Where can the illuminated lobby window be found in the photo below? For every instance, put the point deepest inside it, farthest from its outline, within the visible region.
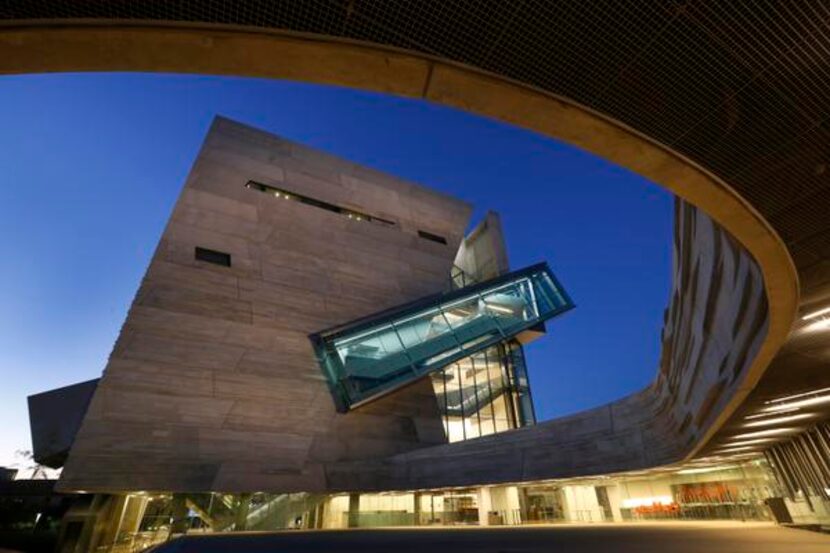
(484, 393)
(439, 508)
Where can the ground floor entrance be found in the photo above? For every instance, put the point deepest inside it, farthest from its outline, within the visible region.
(743, 492)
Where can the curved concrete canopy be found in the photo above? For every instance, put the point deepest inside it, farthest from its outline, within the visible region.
(111, 46)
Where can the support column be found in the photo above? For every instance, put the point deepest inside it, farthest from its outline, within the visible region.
(320, 514)
(110, 526)
(354, 509)
(416, 508)
(485, 505)
(512, 506)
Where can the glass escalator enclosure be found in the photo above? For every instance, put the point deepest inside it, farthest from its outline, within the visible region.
(484, 393)
(370, 357)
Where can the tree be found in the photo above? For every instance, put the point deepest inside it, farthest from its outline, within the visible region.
(29, 464)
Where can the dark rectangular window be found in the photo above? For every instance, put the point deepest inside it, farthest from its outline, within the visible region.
(434, 237)
(212, 256)
(346, 212)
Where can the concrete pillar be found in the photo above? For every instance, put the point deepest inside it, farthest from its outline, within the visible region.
(110, 527)
(614, 498)
(523, 505)
(416, 508)
(581, 504)
(513, 506)
(485, 505)
(320, 514)
(505, 501)
(354, 509)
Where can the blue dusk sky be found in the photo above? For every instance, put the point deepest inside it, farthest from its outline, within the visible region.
(91, 165)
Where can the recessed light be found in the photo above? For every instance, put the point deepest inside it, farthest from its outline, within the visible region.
(770, 432)
(778, 420)
(814, 314)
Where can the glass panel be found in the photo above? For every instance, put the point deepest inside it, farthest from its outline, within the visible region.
(512, 306)
(483, 393)
(424, 327)
(487, 421)
(522, 400)
(469, 320)
(373, 356)
(501, 412)
(359, 355)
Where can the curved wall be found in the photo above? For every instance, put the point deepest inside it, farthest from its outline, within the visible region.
(715, 324)
(215, 50)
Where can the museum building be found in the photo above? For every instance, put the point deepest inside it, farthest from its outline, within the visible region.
(318, 344)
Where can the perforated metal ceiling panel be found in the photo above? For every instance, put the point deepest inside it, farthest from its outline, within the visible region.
(739, 87)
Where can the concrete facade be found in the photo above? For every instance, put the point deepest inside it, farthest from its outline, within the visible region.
(54, 419)
(483, 253)
(213, 383)
(714, 325)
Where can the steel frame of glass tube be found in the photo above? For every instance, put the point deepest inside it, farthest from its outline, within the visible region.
(368, 358)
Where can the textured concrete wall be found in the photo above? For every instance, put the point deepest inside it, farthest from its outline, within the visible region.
(55, 417)
(213, 384)
(483, 253)
(715, 323)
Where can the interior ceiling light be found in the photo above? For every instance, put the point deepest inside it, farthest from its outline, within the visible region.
(818, 313)
(730, 449)
(747, 455)
(821, 324)
(798, 395)
(499, 308)
(752, 442)
(740, 456)
(770, 432)
(703, 470)
(778, 420)
(771, 414)
(806, 402)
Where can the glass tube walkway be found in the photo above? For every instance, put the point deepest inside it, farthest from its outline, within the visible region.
(368, 358)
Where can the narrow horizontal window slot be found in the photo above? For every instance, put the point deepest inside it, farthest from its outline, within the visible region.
(434, 237)
(212, 256)
(350, 213)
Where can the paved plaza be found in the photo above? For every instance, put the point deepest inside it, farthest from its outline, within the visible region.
(686, 537)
